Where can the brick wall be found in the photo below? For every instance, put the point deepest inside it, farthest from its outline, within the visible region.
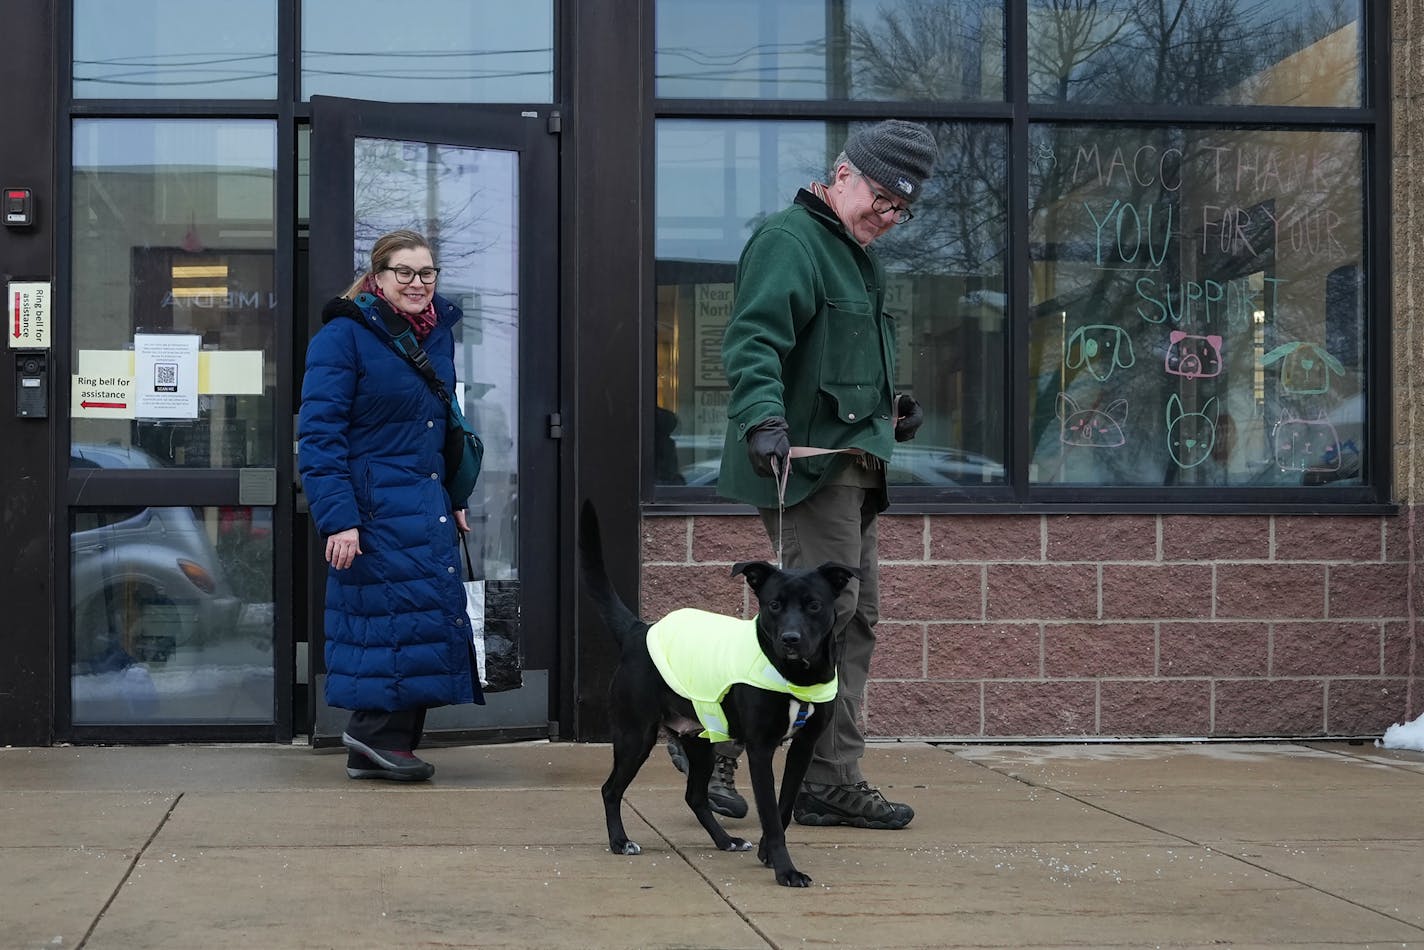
(1132, 625)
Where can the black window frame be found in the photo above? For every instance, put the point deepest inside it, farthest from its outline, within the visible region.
(1371, 119)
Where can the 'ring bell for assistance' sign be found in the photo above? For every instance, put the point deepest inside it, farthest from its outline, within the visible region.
(27, 315)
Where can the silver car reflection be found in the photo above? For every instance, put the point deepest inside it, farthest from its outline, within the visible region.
(145, 581)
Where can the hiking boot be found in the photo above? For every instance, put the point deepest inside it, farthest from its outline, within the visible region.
(859, 806)
(722, 790)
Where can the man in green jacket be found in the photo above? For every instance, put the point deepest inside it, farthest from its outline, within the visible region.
(810, 358)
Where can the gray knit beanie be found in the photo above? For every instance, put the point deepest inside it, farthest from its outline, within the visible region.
(896, 154)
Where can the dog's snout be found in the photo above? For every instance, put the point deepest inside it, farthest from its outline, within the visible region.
(791, 638)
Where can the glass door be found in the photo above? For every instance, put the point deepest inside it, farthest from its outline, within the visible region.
(482, 187)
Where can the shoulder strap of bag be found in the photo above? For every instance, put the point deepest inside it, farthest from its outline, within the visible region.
(402, 340)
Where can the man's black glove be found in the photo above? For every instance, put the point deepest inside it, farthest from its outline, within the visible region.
(908, 417)
(766, 441)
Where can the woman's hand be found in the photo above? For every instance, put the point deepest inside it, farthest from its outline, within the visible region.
(461, 522)
(342, 548)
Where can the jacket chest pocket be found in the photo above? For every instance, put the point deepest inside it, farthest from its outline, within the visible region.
(851, 351)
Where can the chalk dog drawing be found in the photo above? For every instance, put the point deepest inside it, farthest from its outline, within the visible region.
(1306, 445)
(1306, 369)
(1195, 357)
(1190, 435)
(1091, 428)
(1102, 348)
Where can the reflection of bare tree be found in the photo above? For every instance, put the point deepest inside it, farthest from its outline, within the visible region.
(430, 192)
(928, 50)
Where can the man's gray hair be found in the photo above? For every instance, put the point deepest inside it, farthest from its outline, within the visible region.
(841, 159)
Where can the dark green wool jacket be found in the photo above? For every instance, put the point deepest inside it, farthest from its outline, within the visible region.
(808, 340)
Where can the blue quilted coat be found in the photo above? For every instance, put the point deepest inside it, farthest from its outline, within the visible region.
(370, 457)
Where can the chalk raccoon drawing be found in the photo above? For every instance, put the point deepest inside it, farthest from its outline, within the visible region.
(1195, 357)
(1092, 428)
(1102, 348)
(1190, 435)
(1306, 445)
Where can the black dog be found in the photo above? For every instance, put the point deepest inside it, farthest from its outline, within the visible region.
(793, 632)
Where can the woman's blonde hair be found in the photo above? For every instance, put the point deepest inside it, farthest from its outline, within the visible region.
(386, 245)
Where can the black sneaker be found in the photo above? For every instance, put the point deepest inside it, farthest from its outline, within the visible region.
(722, 792)
(406, 765)
(859, 805)
(360, 767)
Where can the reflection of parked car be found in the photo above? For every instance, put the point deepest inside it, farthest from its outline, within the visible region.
(145, 581)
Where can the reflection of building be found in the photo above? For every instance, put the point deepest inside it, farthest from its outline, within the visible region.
(1221, 547)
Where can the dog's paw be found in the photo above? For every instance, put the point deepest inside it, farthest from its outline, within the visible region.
(627, 847)
(738, 844)
(793, 878)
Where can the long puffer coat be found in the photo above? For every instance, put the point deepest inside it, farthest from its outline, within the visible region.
(371, 432)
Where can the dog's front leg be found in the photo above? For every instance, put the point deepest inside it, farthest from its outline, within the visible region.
(699, 770)
(798, 758)
(772, 851)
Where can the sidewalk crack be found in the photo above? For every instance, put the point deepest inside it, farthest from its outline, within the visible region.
(128, 873)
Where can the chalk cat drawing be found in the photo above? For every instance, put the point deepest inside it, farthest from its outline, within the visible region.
(1092, 428)
(1306, 445)
(1306, 369)
(1102, 348)
(1195, 357)
(1190, 435)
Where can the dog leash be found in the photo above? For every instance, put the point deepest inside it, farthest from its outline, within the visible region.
(783, 473)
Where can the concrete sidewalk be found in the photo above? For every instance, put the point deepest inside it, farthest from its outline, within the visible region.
(1243, 845)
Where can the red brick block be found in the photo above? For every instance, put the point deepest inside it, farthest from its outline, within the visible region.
(1396, 537)
(1329, 539)
(1287, 591)
(727, 540)
(922, 710)
(1042, 592)
(1330, 648)
(1270, 708)
(665, 539)
(901, 537)
(1040, 709)
(1154, 708)
(931, 592)
(1102, 537)
(667, 588)
(1365, 707)
(1215, 538)
(963, 651)
(1175, 591)
(1092, 649)
(1369, 590)
(1397, 648)
(1213, 649)
(986, 538)
(899, 651)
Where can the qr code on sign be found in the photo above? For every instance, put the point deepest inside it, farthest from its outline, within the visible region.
(165, 377)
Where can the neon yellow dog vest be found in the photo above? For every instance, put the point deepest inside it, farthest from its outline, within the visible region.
(702, 655)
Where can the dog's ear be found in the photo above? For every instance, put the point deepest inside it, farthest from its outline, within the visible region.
(838, 574)
(756, 572)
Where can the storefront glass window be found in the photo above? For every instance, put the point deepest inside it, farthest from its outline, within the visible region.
(172, 288)
(904, 50)
(428, 50)
(1197, 307)
(716, 180)
(1206, 52)
(175, 49)
(172, 610)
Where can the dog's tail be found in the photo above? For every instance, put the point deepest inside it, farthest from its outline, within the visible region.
(616, 615)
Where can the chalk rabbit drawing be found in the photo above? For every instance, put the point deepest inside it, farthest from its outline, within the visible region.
(1091, 428)
(1306, 445)
(1195, 357)
(1190, 435)
(1306, 369)
(1102, 348)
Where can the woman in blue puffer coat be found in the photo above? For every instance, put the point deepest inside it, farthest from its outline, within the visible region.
(372, 433)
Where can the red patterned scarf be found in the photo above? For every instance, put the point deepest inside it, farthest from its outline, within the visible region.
(422, 323)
